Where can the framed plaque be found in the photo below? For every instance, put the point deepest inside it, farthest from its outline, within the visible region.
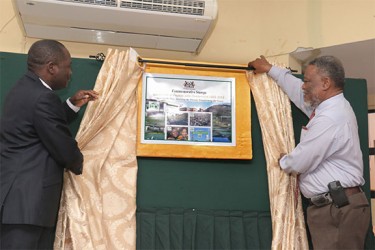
(189, 113)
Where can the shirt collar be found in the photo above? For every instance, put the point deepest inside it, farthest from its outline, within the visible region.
(330, 101)
(45, 84)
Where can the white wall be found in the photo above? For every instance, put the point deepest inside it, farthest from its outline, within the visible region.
(371, 133)
(371, 130)
(245, 29)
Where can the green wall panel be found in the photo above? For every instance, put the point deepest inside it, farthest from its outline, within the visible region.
(233, 185)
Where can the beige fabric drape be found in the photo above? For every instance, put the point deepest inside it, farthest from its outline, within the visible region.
(98, 208)
(274, 112)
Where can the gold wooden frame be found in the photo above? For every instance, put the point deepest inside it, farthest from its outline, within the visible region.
(243, 148)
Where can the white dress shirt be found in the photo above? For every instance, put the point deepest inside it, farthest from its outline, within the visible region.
(329, 147)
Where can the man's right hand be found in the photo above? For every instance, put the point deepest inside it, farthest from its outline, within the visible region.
(260, 65)
(83, 96)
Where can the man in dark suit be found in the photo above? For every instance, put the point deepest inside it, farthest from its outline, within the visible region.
(36, 147)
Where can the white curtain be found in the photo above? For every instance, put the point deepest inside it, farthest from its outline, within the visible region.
(274, 112)
(98, 208)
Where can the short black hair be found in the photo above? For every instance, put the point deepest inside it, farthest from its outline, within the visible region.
(332, 68)
(43, 52)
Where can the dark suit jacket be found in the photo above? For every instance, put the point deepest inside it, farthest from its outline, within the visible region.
(36, 146)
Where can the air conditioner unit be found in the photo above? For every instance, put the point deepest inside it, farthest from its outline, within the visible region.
(180, 25)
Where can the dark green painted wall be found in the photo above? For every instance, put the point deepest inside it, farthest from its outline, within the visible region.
(198, 183)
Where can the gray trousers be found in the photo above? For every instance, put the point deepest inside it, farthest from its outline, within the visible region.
(340, 228)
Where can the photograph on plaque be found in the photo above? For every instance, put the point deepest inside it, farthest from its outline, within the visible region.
(188, 110)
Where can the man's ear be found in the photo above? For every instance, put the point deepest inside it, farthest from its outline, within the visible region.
(51, 67)
(327, 83)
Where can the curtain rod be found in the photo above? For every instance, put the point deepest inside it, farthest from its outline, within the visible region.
(203, 65)
(101, 57)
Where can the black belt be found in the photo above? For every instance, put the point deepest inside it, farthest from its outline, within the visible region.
(352, 190)
(325, 198)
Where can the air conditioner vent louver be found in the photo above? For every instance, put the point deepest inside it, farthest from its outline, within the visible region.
(186, 7)
(109, 3)
(177, 25)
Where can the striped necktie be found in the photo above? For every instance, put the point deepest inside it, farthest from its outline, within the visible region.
(312, 115)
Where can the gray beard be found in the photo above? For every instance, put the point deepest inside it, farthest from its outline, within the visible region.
(312, 104)
(309, 105)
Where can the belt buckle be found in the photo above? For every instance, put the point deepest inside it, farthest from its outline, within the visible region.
(321, 199)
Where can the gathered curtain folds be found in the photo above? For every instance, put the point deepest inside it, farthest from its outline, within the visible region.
(98, 208)
(274, 113)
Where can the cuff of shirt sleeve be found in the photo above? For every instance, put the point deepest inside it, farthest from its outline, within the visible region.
(282, 164)
(276, 71)
(285, 166)
(74, 108)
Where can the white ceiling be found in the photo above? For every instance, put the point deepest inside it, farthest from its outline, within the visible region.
(358, 59)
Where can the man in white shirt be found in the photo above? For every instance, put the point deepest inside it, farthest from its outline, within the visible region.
(328, 154)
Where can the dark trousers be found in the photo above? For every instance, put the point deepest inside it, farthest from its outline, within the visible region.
(26, 237)
(340, 228)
